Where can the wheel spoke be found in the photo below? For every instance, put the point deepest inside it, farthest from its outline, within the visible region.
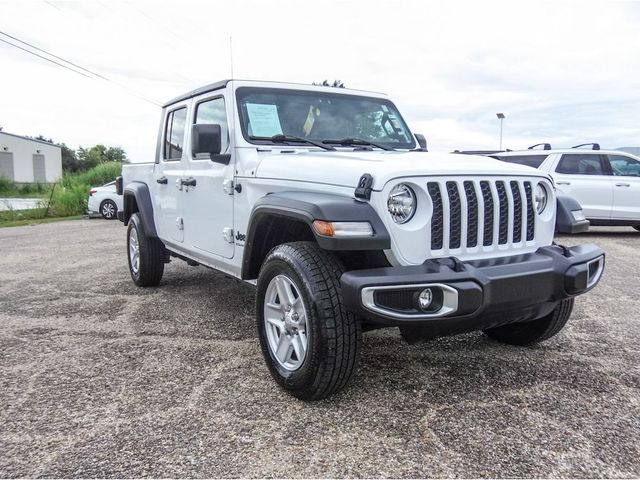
(298, 346)
(284, 291)
(276, 322)
(283, 351)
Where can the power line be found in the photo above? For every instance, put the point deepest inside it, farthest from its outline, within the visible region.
(94, 74)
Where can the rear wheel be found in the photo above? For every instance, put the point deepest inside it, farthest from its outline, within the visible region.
(529, 333)
(146, 255)
(310, 342)
(108, 210)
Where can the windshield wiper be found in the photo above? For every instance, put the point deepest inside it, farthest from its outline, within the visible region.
(357, 141)
(292, 138)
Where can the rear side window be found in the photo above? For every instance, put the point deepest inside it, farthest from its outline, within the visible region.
(581, 164)
(529, 160)
(213, 111)
(624, 166)
(174, 134)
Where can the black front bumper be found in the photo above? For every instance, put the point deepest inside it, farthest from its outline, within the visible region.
(487, 292)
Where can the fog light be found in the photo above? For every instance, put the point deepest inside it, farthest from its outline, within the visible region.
(425, 299)
(578, 215)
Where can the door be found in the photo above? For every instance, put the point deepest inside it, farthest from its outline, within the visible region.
(6, 165)
(168, 173)
(208, 202)
(585, 177)
(626, 187)
(39, 172)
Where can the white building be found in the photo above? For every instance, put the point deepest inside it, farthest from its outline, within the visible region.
(25, 160)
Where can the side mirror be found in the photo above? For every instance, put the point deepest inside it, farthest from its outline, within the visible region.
(206, 138)
(421, 141)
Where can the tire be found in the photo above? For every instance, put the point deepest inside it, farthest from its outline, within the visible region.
(145, 255)
(323, 337)
(529, 333)
(637, 227)
(109, 210)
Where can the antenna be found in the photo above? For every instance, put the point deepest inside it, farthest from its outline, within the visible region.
(231, 54)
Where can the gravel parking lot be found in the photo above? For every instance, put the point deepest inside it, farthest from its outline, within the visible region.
(100, 378)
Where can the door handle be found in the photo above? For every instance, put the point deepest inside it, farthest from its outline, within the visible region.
(162, 180)
(189, 182)
(623, 184)
(563, 183)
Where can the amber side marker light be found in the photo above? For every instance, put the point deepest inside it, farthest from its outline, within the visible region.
(342, 229)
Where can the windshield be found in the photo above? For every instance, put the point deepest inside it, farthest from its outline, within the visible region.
(320, 116)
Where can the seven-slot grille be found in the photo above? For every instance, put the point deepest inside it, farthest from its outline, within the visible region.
(472, 213)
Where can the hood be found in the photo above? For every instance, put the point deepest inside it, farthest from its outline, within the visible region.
(344, 168)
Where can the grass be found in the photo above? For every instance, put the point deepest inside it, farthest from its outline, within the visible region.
(35, 221)
(9, 189)
(69, 199)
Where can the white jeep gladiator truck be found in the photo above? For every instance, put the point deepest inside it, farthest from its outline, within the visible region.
(322, 198)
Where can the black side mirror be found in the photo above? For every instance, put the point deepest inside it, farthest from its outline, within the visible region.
(421, 141)
(206, 138)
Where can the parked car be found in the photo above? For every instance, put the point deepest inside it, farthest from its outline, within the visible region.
(606, 183)
(104, 201)
(322, 199)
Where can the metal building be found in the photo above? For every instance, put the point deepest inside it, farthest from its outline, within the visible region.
(25, 160)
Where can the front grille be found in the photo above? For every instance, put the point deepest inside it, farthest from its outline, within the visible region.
(470, 213)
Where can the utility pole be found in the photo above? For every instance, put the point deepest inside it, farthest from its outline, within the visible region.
(501, 118)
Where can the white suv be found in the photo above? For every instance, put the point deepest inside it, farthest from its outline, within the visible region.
(606, 183)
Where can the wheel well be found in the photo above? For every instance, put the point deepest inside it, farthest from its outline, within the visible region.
(276, 230)
(129, 206)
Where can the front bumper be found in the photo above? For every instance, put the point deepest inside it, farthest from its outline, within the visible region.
(475, 294)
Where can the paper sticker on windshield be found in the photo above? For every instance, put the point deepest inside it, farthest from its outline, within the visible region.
(263, 120)
(311, 119)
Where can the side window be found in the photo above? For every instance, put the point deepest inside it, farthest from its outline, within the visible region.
(625, 166)
(580, 164)
(174, 134)
(213, 111)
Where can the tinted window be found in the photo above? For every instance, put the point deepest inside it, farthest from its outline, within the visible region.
(174, 134)
(580, 164)
(317, 115)
(213, 111)
(529, 160)
(625, 166)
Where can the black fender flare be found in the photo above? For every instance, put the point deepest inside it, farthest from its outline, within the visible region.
(565, 221)
(310, 206)
(137, 193)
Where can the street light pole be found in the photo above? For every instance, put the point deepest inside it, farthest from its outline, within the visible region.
(501, 117)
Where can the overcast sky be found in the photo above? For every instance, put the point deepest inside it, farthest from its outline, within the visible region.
(566, 72)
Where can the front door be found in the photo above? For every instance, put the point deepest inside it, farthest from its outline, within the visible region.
(208, 201)
(584, 177)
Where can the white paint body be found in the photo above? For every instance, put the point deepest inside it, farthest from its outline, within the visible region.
(191, 220)
(609, 197)
(22, 150)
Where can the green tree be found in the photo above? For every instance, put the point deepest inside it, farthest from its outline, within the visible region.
(91, 157)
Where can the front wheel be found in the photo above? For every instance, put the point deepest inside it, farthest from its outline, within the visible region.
(310, 342)
(528, 333)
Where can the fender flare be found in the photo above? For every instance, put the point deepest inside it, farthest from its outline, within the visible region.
(309, 206)
(565, 221)
(137, 194)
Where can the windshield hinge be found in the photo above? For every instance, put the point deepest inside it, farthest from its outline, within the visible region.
(365, 186)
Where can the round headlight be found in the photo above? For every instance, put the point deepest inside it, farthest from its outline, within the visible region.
(540, 198)
(401, 203)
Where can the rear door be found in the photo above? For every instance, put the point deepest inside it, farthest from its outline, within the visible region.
(626, 187)
(586, 177)
(208, 204)
(168, 174)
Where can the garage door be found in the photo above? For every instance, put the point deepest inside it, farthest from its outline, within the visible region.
(39, 173)
(6, 165)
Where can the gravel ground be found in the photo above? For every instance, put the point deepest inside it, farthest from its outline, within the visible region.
(99, 378)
